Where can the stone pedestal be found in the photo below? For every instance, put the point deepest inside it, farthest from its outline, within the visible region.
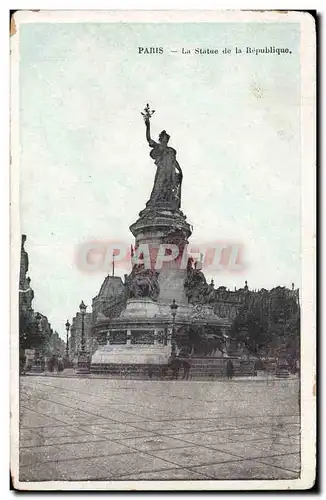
(142, 335)
(138, 337)
(159, 226)
(215, 367)
(282, 369)
(144, 308)
(36, 368)
(132, 355)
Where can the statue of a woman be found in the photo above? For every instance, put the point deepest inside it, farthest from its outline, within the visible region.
(168, 177)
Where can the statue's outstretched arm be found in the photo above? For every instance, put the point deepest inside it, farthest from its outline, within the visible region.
(150, 141)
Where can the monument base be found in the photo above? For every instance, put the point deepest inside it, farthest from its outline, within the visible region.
(282, 369)
(131, 355)
(82, 367)
(137, 365)
(35, 368)
(215, 367)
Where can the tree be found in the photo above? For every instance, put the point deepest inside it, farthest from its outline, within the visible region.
(250, 328)
(29, 335)
(269, 320)
(55, 345)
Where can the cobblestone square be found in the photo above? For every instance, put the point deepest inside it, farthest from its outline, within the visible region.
(102, 429)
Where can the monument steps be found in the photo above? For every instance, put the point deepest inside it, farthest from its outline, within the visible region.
(200, 368)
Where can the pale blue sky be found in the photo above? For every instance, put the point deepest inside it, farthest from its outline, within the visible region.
(85, 169)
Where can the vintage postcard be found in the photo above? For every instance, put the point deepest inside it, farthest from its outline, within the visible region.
(163, 331)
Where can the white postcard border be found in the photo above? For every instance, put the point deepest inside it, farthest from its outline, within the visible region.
(308, 285)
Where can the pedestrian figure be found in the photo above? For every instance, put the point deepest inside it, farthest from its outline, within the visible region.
(60, 365)
(57, 365)
(22, 364)
(51, 363)
(186, 369)
(229, 369)
(150, 372)
(163, 372)
(175, 365)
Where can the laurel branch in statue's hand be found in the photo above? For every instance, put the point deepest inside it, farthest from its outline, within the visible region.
(147, 114)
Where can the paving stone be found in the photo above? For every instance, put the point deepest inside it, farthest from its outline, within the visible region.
(206, 438)
(101, 429)
(25, 434)
(154, 426)
(58, 431)
(115, 427)
(70, 451)
(153, 443)
(107, 429)
(248, 435)
(252, 449)
(288, 441)
(28, 443)
(115, 467)
(287, 431)
(32, 420)
(70, 470)
(171, 474)
(120, 416)
(245, 469)
(171, 429)
(129, 434)
(289, 462)
(193, 455)
(39, 472)
(41, 441)
(274, 444)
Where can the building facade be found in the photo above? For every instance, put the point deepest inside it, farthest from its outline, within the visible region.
(34, 328)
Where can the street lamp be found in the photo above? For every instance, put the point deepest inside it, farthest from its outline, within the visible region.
(82, 309)
(174, 308)
(83, 362)
(67, 343)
